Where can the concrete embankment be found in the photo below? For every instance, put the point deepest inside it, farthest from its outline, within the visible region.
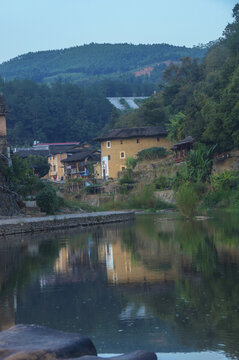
(48, 223)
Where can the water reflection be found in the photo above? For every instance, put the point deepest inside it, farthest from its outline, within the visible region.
(160, 285)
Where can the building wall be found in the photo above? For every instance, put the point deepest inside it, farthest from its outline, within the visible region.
(55, 161)
(97, 170)
(3, 126)
(3, 137)
(130, 148)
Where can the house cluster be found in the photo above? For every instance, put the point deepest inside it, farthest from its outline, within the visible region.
(71, 160)
(78, 160)
(66, 160)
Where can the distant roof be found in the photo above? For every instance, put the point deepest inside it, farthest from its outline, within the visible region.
(28, 152)
(81, 155)
(127, 133)
(60, 149)
(56, 144)
(76, 149)
(187, 140)
(3, 106)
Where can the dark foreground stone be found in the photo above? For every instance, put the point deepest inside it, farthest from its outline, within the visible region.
(31, 342)
(136, 355)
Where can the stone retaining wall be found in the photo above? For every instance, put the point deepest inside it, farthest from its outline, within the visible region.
(165, 195)
(48, 223)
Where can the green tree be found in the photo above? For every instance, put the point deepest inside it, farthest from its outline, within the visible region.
(200, 162)
(176, 127)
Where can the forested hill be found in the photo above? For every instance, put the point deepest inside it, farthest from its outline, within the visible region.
(57, 113)
(87, 63)
(201, 100)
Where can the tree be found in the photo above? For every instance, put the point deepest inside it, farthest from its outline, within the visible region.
(176, 127)
(200, 162)
(39, 164)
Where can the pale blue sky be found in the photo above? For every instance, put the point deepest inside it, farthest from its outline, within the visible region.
(33, 25)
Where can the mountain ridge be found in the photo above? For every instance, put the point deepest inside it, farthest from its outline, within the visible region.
(93, 62)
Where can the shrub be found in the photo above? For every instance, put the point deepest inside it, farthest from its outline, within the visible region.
(216, 198)
(143, 198)
(47, 200)
(131, 162)
(126, 177)
(163, 182)
(152, 153)
(187, 200)
(225, 181)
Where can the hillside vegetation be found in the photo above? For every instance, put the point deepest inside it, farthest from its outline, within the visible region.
(199, 99)
(60, 113)
(93, 62)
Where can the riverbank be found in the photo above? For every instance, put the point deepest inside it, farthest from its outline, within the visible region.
(23, 225)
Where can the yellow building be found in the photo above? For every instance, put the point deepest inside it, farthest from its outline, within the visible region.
(119, 144)
(76, 165)
(58, 152)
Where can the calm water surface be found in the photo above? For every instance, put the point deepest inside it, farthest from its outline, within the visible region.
(168, 286)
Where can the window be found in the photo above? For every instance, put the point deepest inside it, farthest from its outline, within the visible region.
(121, 141)
(122, 155)
(53, 157)
(122, 168)
(108, 144)
(158, 139)
(108, 157)
(137, 140)
(54, 167)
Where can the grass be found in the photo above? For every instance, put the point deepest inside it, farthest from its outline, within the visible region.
(141, 198)
(187, 200)
(77, 205)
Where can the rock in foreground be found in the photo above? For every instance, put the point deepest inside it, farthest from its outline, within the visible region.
(31, 342)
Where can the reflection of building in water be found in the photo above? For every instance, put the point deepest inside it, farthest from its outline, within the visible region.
(72, 257)
(63, 263)
(75, 263)
(121, 268)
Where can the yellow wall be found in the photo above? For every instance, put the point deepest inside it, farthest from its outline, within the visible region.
(3, 127)
(97, 170)
(130, 147)
(55, 160)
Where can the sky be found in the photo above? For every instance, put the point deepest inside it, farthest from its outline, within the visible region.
(35, 25)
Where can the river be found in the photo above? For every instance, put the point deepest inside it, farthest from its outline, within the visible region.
(166, 285)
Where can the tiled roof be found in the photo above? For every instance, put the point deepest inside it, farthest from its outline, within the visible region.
(187, 140)
(127, 133)
(60, 149)
(82, 155)
(25, 153)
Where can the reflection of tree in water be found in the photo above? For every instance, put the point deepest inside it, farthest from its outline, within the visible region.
(19, 264)
(205, 306)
